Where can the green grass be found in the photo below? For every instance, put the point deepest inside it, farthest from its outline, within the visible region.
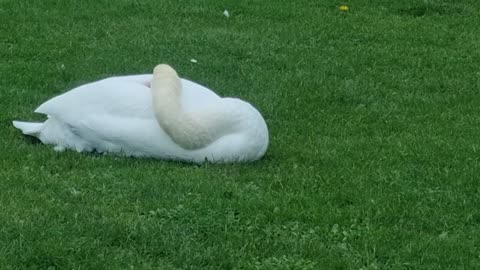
(374, 118)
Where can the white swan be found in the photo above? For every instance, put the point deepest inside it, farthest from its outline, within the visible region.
(159, 116)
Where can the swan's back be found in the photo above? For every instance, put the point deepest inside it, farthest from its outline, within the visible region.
(120, 96)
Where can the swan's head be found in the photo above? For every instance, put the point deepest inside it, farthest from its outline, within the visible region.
(164, 70)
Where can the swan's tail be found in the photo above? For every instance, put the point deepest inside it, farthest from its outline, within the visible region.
(28, 128)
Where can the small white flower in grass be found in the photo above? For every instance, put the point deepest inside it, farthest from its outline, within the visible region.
(74, 192)
(226, 14)
(193, 60)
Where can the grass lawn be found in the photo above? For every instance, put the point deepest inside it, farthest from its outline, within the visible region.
(374, 119)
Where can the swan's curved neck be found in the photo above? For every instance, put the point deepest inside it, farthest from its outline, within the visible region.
(188, 130)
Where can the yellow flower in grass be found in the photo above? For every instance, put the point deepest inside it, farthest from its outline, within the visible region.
(344, 8)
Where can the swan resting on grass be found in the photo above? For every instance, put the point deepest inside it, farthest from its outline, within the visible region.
(159, 115)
